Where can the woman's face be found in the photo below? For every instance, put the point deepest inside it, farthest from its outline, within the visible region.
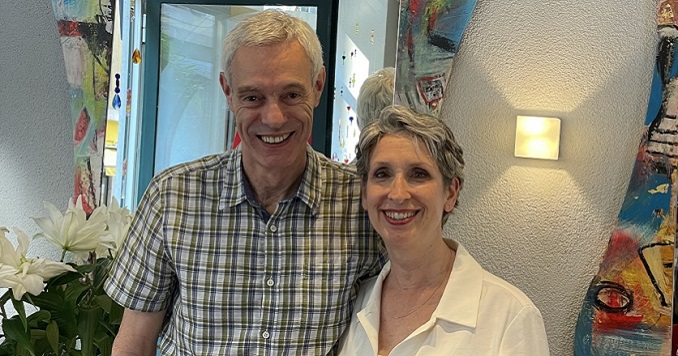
(404, 194)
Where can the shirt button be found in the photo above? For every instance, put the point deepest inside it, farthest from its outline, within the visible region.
(270, 282)
(265, 335)
(274, 228)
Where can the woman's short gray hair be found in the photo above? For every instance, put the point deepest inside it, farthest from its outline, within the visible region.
(429, 130)
(271, 27)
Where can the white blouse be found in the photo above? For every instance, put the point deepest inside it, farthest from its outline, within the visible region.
(478, 314)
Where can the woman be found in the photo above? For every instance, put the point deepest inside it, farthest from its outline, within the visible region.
(432, 298)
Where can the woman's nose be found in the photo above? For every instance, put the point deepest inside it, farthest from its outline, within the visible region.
(399, 189)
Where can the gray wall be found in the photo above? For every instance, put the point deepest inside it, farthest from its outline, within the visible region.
(541, 225)
(36, 152)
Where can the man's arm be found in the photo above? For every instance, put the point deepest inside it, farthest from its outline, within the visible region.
(138, 334)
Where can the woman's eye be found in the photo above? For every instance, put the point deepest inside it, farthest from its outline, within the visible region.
(420, 174)
(380, 174)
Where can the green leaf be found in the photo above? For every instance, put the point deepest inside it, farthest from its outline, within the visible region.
(105, 344)
(40, 343)
(62, 311)
(86, 268)
(38, 316)
(104, 302)
(88, 322)
(13, 328)
(53, 335)
(49, 300)
(63, 278)
(19, 307)
(8, 348)
(115, 314)
(74, 292)
(6, 297)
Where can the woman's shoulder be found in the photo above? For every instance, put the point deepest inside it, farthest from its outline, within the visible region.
(495, 287)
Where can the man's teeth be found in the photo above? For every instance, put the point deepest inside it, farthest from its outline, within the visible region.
(400, 216)
(274, 139)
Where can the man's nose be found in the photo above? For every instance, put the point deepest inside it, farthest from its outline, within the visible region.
(273, 115)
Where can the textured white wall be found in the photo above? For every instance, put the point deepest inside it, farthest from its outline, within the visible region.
(36, 134)
(543, 225)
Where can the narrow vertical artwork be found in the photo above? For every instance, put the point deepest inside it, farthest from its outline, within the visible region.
(628, 309)
(86, 31)
(429, 36)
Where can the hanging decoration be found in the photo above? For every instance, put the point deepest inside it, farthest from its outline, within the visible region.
(136, 56)
(86, 32)
(116, 98)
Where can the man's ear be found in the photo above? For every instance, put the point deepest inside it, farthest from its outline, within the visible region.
(225, 88)
(319, 85)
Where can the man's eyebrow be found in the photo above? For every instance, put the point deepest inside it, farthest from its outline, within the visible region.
(290, 86)
(245, 88)
(297, 86)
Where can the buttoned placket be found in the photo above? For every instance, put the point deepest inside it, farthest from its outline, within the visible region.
(270, 261)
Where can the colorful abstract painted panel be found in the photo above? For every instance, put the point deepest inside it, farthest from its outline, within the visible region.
(429, 35)
(627, 309)
(86, 31)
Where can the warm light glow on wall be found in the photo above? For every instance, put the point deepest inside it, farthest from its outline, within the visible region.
(537, 137)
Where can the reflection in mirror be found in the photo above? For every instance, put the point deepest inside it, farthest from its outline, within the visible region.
(366, 42)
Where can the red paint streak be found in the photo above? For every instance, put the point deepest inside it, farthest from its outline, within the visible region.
(613, 321)
(68, 28)
(81, 126)
(621, 249)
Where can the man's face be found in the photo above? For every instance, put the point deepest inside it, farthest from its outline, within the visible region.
(272, 95)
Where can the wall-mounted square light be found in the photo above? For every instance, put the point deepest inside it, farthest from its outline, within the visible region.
(537, 137)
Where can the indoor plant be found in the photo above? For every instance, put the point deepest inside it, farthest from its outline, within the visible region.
(61, 307)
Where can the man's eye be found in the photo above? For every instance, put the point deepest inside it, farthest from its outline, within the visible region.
(293, 97)
(250, 98)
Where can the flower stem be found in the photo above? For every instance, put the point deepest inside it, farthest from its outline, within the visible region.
(63, 255)
(3, 312)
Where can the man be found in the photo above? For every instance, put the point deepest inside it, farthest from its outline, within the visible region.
(258, 250)
(375, 94)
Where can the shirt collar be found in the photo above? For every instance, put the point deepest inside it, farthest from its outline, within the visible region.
(460, 301)
(309, 191)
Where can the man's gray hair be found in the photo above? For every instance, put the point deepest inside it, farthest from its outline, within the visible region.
(272, 27)
(376, 93)
(429, 130)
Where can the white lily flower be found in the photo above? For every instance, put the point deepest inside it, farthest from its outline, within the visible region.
(119, 222)
(22, 274)
(73, 231)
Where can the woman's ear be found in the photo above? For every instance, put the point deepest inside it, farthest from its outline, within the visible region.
(452, 194)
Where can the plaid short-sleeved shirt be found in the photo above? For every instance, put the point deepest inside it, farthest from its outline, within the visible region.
(235, 281)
